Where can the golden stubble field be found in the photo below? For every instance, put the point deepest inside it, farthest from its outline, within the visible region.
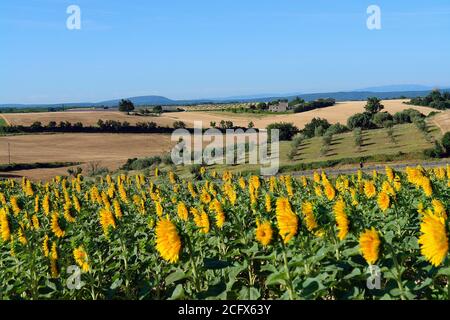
(108, 150)
(338, 113)
(442, 120)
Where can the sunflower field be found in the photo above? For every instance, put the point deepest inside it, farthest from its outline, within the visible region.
(227, 237)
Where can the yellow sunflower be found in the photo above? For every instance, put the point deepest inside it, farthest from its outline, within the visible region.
(383, 201)
(308, 213)
(81, 258)
(329, 191)
(433, 241)
(5, 231)
(439, 208)
(369, 243)
(369, 189)
(341, 219)
(264, 233)
(425, 183)
(287, 220)
(182, 211)
(268, 203)
(168, 241)
(56, 229)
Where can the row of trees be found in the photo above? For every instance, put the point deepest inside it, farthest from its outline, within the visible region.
(373, 118)
(108, 126)
(300, 105)
(435, 99)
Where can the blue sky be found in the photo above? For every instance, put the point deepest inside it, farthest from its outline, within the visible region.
(204, 48)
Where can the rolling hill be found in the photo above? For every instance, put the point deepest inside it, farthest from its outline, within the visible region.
(152, 100)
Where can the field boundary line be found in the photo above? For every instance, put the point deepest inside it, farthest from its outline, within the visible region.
(6, 120)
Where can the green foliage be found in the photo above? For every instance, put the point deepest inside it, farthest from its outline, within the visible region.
(262, 106)
(95, 169)
(360, 120)
(373, 105)
(140, 164)
(319, 131)
(179, 125)
(407, 116)
(446, 142)
(337, 128)
(286, 130)
(302, 106)
(226, 124)
(435, 99)
(310, 128)
(358, 137)
(35, 165)
(327, 139)
(391, 135)
(126, 105)
(436, 152)
(157, 109)
(380, 118)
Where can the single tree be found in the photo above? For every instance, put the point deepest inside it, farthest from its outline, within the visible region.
(157, 109)
(373, 105)
(126, 105)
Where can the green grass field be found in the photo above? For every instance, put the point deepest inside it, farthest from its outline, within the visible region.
(408, 139)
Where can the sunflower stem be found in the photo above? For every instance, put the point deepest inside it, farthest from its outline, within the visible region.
(194, 267)
(125, 262)
(288, 274)
(398, 277)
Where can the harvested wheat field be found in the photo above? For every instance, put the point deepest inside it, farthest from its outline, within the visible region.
(109, 150)
(87, 118)
(442, 120)
(338, 113)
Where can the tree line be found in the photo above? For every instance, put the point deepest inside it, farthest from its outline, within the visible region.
(299, 105)
(103, 126)
(435, 99)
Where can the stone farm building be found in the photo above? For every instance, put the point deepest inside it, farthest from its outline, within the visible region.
(280, 107)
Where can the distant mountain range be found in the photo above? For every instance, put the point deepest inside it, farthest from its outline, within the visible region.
(397, 88)
(384, 92)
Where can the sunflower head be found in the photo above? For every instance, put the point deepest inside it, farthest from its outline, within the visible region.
(168, 241)
(383, 201)
(287, 220)
(433, 241)
(81, 258)
(341, 219)
(264, 233)
(369, 189)
(369, 243)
